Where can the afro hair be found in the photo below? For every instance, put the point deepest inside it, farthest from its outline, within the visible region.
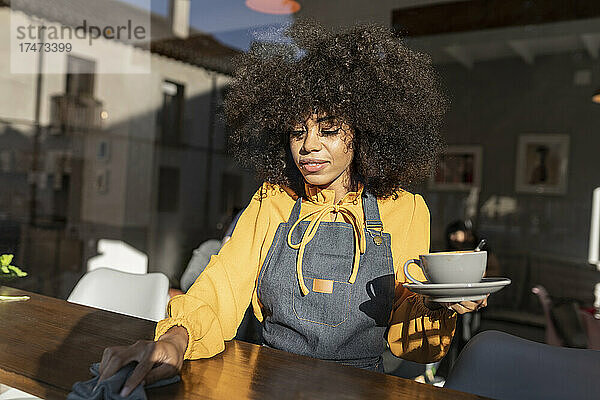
(365, 76)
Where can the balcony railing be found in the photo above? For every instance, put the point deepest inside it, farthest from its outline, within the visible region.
(70, 113)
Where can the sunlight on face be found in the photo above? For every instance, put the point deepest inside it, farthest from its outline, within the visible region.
(322, 150)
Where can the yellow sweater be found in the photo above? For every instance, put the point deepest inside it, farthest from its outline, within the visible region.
(214, 306)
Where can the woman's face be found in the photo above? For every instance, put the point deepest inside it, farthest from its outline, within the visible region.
(322, 150)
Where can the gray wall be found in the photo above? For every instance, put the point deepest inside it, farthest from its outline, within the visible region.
(494, 103)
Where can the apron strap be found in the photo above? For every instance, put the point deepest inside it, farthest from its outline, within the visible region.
(371, 210)
(295, 214)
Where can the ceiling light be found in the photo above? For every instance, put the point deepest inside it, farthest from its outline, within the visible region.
(596, 97)
(278, 7)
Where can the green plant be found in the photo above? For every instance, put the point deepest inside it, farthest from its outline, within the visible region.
(8, 271)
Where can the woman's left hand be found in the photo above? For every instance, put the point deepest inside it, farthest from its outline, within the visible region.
(467, 306)
(461, 308)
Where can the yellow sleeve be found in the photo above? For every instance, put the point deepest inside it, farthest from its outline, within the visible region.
(417, 333)
(214, 306)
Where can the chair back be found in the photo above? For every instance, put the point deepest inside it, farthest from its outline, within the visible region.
(552, 336)
(117, 254)
(501, 366)
(581, 332)
(139, 295)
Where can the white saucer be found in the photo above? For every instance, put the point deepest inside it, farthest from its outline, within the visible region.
(455, 292)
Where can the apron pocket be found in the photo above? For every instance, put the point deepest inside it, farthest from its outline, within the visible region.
(323, 308)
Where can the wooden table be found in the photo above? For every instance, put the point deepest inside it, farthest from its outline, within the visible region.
(47, 344)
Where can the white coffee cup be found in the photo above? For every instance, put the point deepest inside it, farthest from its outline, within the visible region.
(450, 267)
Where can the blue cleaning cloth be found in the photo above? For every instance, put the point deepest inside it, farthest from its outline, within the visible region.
(110, 388)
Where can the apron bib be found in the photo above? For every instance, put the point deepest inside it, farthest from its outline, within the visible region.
(336, 320)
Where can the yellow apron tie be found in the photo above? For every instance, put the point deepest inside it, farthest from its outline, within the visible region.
(359, 239)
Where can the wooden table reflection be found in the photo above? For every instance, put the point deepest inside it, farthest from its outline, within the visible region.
(47, 344)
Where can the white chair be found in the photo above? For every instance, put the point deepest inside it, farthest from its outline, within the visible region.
(139, 295)
(117, 254)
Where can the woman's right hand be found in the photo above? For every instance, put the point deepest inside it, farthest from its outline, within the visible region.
(156, 359)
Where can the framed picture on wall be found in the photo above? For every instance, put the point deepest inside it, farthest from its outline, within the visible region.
(542, 162)
(459, 168)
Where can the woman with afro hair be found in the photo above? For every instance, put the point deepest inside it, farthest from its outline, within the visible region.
(336, 125)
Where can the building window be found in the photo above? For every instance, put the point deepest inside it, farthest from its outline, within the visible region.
(80, 77)
(168, 189)
(171, 116)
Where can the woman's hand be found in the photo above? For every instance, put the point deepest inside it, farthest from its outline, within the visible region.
(156, 360)
(461, 308)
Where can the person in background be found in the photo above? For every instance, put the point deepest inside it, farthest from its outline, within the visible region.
(201, 255)
(249, 329)
(460, 235)
(337, 128)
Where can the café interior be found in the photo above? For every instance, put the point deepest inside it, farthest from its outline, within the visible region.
(114, 156)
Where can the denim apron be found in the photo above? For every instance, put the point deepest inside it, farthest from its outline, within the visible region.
(346, 322)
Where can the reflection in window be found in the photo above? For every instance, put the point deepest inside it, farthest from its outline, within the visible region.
(168, 189)
(170, 118)
(80, 77)
(231, 192)
(76, 109)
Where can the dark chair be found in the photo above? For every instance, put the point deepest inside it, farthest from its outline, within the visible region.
(501, 366)
(568, 325)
